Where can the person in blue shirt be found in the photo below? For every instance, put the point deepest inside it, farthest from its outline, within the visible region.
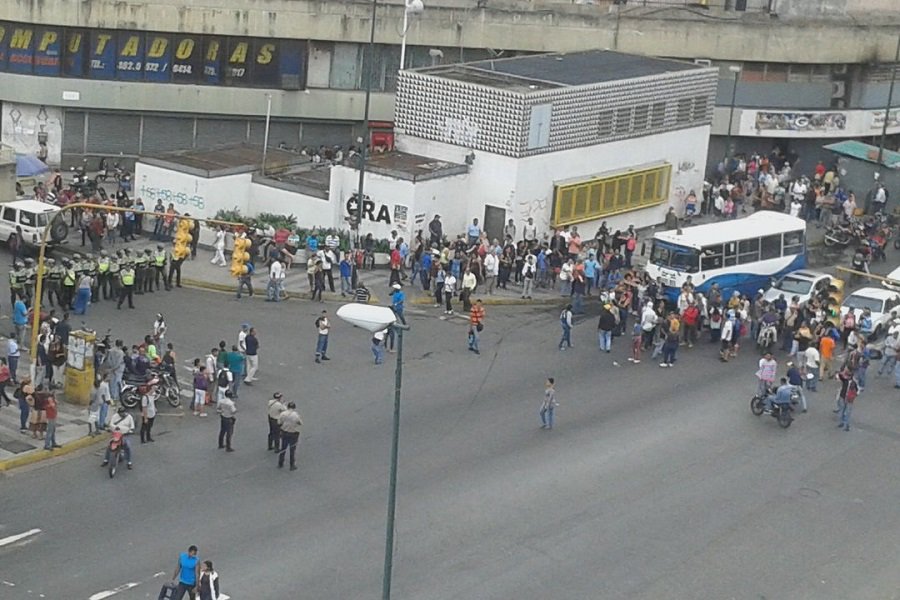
(187, 573)
(346, 274)
(398, 299)
(781, 396)
(473, 232)
(312, 243)
(795, 378)
(425, 271)
(20, 317)
(456, 265)
(591, 270)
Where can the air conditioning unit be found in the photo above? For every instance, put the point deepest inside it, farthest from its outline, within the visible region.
(838, 89)
(703, 62)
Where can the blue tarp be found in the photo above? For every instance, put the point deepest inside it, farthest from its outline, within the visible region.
(29, 166)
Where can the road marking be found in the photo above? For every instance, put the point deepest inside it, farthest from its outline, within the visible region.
(114, 591)
(20, 536)
(185, 394)
(8, 583)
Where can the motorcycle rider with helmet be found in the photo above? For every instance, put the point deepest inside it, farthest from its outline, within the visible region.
(123, 422)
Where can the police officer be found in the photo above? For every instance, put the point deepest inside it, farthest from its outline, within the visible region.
(70, 276)
(148, 273)
(53, 281)
(17, 279)
(159, 266)
(174, 270)
(289, 422)
(91, 269)
(30, 280)
(103, 275)
(140, 272)
(115, 264)
(126, 284)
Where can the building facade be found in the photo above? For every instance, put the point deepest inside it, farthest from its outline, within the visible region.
(124, 79)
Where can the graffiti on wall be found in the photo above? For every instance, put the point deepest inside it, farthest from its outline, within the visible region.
(462, 132)
(791, 121)
(181, 200)
(33, 130)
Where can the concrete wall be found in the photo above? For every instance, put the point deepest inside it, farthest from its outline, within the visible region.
(749, 36)
(310, 211)
(392, 198)
(775, 94)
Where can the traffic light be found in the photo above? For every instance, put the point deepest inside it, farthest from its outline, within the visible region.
(183, 239)
(240, 256)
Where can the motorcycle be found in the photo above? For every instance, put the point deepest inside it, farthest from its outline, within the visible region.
(102, 172)
(159, 383)
(783, 413)
(116, 452)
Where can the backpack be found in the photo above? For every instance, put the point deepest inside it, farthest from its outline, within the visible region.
(222, 378)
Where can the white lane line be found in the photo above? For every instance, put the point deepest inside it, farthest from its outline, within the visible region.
(20, 536)
(8, 583)
(114, 591)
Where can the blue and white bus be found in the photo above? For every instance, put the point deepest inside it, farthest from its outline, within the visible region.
(743, 254)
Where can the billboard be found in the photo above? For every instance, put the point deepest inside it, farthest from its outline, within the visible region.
(147, 56)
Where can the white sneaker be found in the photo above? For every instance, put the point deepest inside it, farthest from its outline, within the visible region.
(637, 361)
(664, 365)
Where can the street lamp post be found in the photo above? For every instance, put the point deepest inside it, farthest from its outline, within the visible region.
(736, 71)
(266, 134)
(363, 150)
(413, 7)
(890, 100)
(376, 318)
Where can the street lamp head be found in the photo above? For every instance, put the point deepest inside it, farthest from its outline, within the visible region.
(735, 69)
(369, 317)
(414, 7)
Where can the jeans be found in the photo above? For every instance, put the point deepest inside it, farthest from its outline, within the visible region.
(812, 381)
(861, 377)
(604, 338)
(288, 442)
(346, 288)
(566, 336)
(104, 411)
(321, 345)
(273, 292)
(762, 387)
(887, 364)
(146, 429)
(378, 351)
(244, 281)
(528, 287)
(13, 362)
(799, 389)
(473, 339)
(274, 434)
(578, 304)
(115, 384)
(24, 409)
(226, 429)
(845, 409)
(547, 416)
(669, 350)
(182, 588)
(126, 447)
(50, 438)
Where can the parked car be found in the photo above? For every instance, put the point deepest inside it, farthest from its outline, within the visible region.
(895, 283)
(884, 304)
(806, 284)
(32, 216)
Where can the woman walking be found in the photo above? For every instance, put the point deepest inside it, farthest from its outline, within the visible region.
(208, 585)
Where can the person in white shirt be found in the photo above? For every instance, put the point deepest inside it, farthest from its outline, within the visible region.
(684, 300)
(159, 330)
(565, 277)
(491, 270)
(122, 422)
(323, 327)
(275, 286)
(219, 245)
(891, 347)
(449, 291)
(812, 367)
(529, 232)
(649, 319)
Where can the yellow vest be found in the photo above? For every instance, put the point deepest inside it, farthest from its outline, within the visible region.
(128, 277)
(160, 259)
(70, 277)
(103, 265)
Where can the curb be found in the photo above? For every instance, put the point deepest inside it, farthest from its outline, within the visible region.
(40, 454)
(231, 289)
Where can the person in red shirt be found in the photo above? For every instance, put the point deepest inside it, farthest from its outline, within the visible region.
(5, 376)
(396, 261)
(51, 414)
(476, 324)
(691, 320)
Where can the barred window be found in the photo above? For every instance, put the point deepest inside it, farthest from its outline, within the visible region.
(611, 194)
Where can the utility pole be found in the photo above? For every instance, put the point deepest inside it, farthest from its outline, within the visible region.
(890, 100)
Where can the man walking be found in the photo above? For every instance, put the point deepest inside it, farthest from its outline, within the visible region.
(187, 573)
(51, 412)
(549, 404)
(226, 410)
(768, 367)
(605, 326)
(276, 407)
(565, 321)
(323, 327)
(476, 325)
(891, 345)
(251, 345)
(290, 423)
(276, 282)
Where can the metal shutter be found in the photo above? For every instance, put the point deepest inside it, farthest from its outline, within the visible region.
(218, 132)
(279, 131)
(329, 134)
(73, 132)
(110, 133)
(167, 134)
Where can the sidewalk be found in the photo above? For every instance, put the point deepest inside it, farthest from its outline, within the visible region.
(19, 449)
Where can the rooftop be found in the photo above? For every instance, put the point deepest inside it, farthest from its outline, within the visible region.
(545, 71)
(225, 160)
(757, 224)
(865, 152)
(411, 167)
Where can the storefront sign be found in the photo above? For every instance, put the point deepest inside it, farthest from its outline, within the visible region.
(148, 56)
(796, 121)
(377, 213)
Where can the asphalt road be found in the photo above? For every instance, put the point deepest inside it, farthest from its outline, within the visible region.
(655, 483)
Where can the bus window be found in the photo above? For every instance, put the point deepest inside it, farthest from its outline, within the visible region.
(770, 247)
(676, 257)
(748, 251)
(730, 254)
(711, 257)
(685, 261)
(793, 242)
(660, 255)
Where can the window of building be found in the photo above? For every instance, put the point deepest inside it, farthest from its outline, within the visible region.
(683, 112)
(606, 123)
(611, 194)
(641, 118)
(539, 126)
(658, 115)
(623, 120)
(700, 104)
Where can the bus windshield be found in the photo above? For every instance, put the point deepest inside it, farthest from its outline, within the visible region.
(679, 258)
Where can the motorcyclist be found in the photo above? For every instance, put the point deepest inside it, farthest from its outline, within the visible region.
(123, 422)
(782, 396)
(795, 379)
